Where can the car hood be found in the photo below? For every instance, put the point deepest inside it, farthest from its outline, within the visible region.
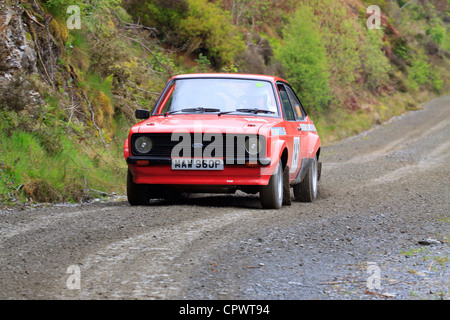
(207, 123)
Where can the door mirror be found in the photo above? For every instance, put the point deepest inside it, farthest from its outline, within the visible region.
(142, 114)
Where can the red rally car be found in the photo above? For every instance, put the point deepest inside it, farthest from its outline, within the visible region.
(219, 133)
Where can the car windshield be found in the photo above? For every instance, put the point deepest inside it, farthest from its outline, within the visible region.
(221, 96)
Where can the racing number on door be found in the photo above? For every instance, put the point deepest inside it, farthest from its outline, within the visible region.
(296, 154)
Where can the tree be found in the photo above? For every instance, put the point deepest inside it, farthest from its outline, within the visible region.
(304, 58)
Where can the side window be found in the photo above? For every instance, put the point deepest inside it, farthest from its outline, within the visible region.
(287, 107)
(296, 104)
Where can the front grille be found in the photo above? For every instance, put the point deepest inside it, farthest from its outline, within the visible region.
(198, 145)
(162, 144)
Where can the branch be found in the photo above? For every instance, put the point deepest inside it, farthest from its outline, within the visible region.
(93, 118)
(142, 90)
(400, 10)
(33, 19)
(136, 26)
(146, 48)
(38, 50)
(408, 3)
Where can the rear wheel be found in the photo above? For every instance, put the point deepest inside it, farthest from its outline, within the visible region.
(138, 194)
(271, 196)
(306, 191)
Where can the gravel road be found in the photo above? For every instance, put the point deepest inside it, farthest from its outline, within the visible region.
(379, 230)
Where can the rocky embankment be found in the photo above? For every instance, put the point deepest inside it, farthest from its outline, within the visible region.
(26, 43)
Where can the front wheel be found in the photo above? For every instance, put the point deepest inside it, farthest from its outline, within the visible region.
(306, 191)
(271, 196)
(138, 194)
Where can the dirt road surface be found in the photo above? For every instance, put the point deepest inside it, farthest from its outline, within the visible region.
(379, 230)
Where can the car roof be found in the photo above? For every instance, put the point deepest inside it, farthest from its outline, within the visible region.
(228, 76)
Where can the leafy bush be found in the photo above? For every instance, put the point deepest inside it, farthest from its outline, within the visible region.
(422, 73)
(375, 64)
(437, 32)
(207, 27)
(165, 15)
(196, 25)
(419, 72)
(401, 48)
(203, 62)
(340, 36)
(304, 58)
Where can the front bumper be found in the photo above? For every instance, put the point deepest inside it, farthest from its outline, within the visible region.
(157, 170)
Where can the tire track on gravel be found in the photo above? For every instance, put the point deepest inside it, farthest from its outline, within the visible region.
(8, 230)
(436, 157)
(156, 264)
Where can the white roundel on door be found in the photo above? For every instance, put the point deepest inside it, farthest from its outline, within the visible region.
(296, 155)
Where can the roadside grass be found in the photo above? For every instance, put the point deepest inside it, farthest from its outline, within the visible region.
(74, 171)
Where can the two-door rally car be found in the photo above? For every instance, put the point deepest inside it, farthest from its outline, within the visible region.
(219, 133)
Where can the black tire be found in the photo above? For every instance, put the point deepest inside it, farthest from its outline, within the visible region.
(271, 196)
(138, 194)
(306, 191)
(287, 201)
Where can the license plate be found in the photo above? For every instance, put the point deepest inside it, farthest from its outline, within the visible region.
(197, 164)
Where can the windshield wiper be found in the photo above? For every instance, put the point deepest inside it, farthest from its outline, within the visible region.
(248, 110)
(254, 110)
(198, 109)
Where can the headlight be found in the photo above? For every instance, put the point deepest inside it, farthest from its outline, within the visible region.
(253, 146)
(143, 144)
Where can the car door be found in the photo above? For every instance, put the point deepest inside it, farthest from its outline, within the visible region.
(293, 138)
(302, 123)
